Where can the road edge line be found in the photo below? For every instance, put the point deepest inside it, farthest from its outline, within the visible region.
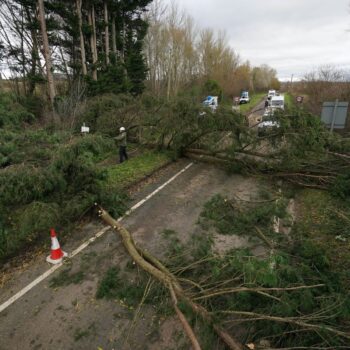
(84, 245)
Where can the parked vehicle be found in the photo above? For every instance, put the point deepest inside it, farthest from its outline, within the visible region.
(277, 102)
(244, 97)
(211, 102)
(270, 94)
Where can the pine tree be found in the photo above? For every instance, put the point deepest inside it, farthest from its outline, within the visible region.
(100, 40)
(135, 62)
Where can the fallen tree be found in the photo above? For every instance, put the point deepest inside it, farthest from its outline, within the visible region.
(221, 292)
(327, 174)
(292, 297)
(156, 269)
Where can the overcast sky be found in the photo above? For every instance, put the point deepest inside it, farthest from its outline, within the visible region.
(292, 36)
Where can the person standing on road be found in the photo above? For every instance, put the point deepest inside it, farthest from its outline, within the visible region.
(266, 103)
(121, 139)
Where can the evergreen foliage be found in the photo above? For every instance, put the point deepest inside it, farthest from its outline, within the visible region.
(49, 187)
(302, 261)
(124, 70)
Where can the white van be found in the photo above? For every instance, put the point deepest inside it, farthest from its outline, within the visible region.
(270, 94)
(277, 102)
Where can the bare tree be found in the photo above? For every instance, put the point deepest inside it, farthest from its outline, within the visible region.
(263, 77)
(177, 55)
(325, 84)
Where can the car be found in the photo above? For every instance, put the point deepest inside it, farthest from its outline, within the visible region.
(211, 102)
(271, 93)
(244, 97)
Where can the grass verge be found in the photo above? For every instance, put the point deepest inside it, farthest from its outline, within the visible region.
(254, 100)
(123, 175)
(289, 101)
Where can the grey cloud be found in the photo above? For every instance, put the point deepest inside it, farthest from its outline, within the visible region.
(293, 36)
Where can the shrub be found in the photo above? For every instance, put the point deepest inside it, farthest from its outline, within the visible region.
(34, 198)
(12, 113)
(26, 225)
(22, 184)
(36, 218)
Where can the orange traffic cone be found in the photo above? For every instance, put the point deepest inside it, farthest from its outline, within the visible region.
(57, 254)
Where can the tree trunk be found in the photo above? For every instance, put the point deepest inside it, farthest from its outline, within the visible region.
(47, 53)
(114, 39)
(35, 58)
(106, 32)
(23, 59)
(82, 46)
(93, 43)
(94, 33)
(65, 66)
(122, 56)
(169, 81)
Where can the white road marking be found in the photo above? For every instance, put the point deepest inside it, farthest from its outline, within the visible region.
(46, 274)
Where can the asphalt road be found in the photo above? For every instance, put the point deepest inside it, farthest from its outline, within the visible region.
(255, 115)
(69, 316)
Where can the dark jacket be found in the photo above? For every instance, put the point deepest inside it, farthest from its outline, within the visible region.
(121, 139)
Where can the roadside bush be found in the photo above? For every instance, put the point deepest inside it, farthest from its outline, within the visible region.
(33, 104)
(32, 146)
(26, 225)
(77, 163)
(36, 218)
(22, 184)
(75, 207)
(12, 113)
(35, 198)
